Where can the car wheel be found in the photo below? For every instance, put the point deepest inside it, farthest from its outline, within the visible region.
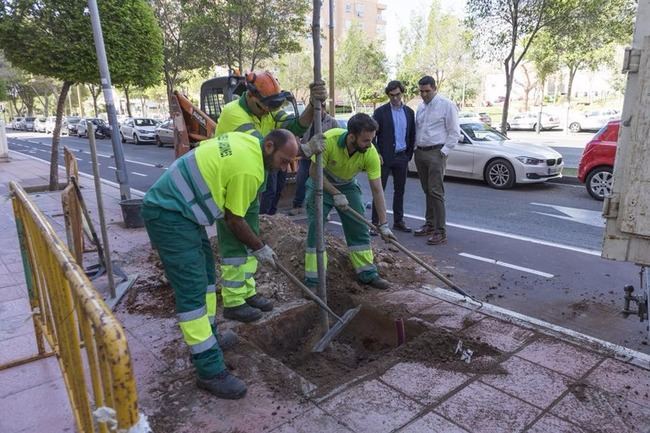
(123, 138)
(574, 127)
(500, 174)
(136, 140)
(158, 142)
(599, 182)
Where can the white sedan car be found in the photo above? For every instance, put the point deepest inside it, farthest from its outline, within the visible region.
(529, 121)
(592, 120)
(139, 129)
(482, 153)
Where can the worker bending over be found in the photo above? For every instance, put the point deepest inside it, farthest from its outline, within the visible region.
(346, 153)
(257, 112)
(219, 181)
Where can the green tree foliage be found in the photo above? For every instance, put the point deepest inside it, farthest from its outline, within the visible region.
(295, 72)
(180, 53)
(241, 33)
(360, 68)
(54, 38)
(505, 29)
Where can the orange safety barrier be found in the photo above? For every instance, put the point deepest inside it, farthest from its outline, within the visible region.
(70, 315)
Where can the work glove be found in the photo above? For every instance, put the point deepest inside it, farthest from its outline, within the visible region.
(341, 201)
(317, 92)
(266, 256)
(386, 233)
(314, 146)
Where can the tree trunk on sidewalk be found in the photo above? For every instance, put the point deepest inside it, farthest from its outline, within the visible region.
(56, 135)
(128, 101)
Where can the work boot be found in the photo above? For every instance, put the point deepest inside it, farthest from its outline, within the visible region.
(227, 340)
(379, 283)
(260, 302)
(223, 385)
(296, 211)
(242, 313)
(402, 227)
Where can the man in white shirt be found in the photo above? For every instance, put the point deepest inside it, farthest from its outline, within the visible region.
(436, 133)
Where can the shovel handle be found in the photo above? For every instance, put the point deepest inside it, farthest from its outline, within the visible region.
(305, 289)
(418, 260)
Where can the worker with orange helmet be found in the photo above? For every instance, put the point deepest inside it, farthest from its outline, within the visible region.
(257, 112)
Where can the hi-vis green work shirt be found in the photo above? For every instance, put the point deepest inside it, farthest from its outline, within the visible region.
(225, 172)
(236, 116)
(339, 166)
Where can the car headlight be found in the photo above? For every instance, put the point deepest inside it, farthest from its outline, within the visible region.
(529, 161)
(143, 131)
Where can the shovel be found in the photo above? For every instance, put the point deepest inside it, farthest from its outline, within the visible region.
(419, 261)
(341, 322)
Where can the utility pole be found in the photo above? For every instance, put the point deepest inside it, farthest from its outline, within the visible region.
(105, 76)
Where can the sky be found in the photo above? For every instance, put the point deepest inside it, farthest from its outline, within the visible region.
(398, 13)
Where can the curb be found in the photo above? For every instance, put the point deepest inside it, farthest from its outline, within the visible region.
(568, 180)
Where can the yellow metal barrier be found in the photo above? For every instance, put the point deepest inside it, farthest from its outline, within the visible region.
(72, 317)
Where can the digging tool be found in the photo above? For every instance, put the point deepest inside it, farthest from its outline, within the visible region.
(419, 261)
(341, 322)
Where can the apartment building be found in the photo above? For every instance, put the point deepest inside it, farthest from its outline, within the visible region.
(367, 13)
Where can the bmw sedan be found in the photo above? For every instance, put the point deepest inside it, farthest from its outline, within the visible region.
(482, 153)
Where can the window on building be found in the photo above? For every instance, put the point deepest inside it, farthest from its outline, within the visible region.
(360, 9)
(348, 8)
(348, 24)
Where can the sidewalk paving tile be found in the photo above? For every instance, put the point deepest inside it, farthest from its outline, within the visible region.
(44, 408)
(372, 407)
(594, 409)
(481, 408)
(450, 316)
(422, 383)
(502, 335)
(559, 356)
(313, 421)
(11, 292)
(616, 377)
(22, 346)
(22, 377)
(412, 300)
(432, 423)
(550, 424)
(16, 325)
(525, 380)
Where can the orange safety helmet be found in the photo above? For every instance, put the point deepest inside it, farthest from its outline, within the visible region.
(266, 88)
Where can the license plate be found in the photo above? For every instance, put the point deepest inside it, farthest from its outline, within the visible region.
(553, 170)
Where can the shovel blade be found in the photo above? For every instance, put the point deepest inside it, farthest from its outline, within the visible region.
(335, 330)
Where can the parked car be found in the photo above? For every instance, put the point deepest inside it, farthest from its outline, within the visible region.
(39, 124)
(16, 122)
(139, 129)
(51, 122)
(469, 115)
(597, 161)
(165, 133)
(592, 120)
(485, 118)
(102, 129)
(485, 154)
(528, 120)
(28, 124)
(72, 122)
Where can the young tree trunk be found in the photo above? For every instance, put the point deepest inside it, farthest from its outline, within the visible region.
(128, 101)
(169, 84)
(506, 102)
(572, 74)
(56, 135)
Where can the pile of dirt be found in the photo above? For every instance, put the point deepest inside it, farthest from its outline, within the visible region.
(151, 294)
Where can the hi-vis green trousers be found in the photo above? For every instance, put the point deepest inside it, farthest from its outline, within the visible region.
(357, 235)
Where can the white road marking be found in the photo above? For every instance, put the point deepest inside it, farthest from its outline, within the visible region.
(582, 216)
(112, 168)
(139, 174)
(513, 236)
(507, 265)
(146, 164)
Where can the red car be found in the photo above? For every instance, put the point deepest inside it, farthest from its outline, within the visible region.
(597, 162)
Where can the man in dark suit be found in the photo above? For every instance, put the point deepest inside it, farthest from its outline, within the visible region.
(395, 143)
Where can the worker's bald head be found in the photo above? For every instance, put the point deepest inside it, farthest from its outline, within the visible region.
(280, 148)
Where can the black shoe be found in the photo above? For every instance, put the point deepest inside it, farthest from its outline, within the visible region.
(242, 313)
(402, 227)
(260, 302)
(379, 283)
(223, 385)
(227, 340)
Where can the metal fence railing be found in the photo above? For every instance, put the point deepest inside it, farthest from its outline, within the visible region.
(69, 314)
